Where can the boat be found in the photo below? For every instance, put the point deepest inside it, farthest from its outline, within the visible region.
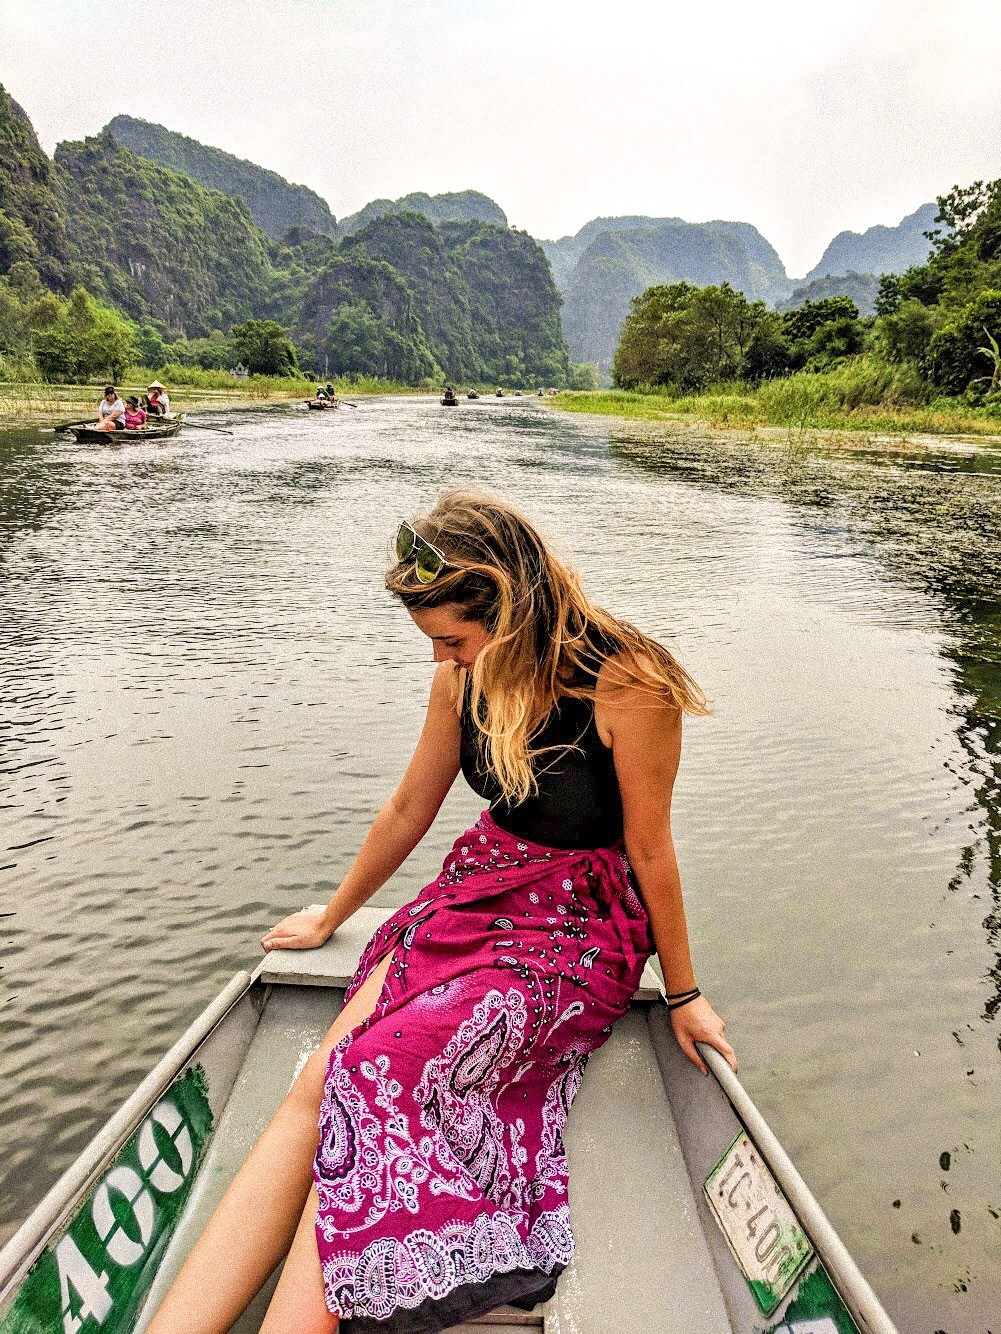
(161, 428)
(322, 404)
(452, 402)
(472, 394)
(708, 1229)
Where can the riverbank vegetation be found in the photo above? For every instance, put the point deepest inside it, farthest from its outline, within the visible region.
(42, 401)
(828, 401)
(929, 360)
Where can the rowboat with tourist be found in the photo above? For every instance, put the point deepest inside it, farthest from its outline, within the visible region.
(324, 398)
(164, 429)
(710, 1228)
(128, 421)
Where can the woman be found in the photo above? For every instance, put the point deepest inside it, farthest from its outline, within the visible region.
(135, 416)
(111, 411)
(437, 1185)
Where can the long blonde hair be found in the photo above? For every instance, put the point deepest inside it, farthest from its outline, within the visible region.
(547, 643)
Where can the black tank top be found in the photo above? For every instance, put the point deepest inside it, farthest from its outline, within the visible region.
(577, 804)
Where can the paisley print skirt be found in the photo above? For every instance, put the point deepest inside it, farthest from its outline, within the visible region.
(440, 1170)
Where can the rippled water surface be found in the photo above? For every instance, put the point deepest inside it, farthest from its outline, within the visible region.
(207, 694)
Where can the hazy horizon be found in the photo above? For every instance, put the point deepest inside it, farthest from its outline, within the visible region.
(804, 125)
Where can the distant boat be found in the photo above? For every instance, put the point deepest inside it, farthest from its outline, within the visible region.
(452, 402)
(155, 429)
(708, 1229)
(322, 404)
(472, 394)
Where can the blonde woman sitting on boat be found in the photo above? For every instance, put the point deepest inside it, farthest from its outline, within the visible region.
(415, 1174)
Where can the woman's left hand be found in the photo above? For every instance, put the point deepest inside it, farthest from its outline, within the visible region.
(698, 1022)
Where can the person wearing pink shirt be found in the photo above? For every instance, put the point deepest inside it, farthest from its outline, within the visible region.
(135, 416)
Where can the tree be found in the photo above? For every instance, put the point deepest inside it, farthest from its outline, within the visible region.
(87, 340)
(264, 347)
(150, 347)
(957, 359)
(688, 337)
(960, 211)
(834, 342)
(583, 375)
(905, 334)
(768, 353)
(359, 342)
(803, 322)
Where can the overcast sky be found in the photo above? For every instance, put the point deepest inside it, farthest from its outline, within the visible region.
(801, 118)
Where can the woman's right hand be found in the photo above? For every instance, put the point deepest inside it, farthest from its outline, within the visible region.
(305, 930)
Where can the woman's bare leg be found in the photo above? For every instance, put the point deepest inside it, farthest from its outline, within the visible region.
(298, 1306)
(256, 1220)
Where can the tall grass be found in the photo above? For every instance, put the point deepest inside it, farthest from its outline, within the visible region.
(861, 395)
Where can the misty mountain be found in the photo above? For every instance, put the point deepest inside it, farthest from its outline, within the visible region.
(862, 288)
(564, 254)
(615, 263)
(879, 249)
(275, 204)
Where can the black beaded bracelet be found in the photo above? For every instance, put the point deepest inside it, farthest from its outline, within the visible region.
(676, 1005)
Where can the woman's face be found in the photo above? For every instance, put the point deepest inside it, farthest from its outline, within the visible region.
(454, 639)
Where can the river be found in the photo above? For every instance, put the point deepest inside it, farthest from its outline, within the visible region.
(207, 694)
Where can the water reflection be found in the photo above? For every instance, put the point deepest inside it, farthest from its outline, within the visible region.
(934, 521)
(208, 695)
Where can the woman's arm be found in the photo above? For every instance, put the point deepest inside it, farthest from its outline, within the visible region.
(397, 829)
(645, 735)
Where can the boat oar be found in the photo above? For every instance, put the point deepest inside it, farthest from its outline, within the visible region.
(197, 426)
(65, 426)
(347, 404)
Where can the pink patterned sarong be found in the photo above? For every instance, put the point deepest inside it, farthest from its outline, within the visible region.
(440, 1170)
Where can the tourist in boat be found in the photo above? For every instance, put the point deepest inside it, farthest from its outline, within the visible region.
(500, 392)
(449, 395)
(321, 393)
(111, 411)
(437, 1185)
(158, 401)
(135, 415)
(330, 392)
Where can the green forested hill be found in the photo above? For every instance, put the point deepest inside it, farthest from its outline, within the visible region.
(618, 265)
(514, 303)
(32, 224)
(359, 317)
(406, 296)
(158, 245)
(275, 204)
(475, 301)
(416, 251)
(461, 206)
(879, 249)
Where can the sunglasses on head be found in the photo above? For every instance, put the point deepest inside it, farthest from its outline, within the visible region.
(428, 560)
